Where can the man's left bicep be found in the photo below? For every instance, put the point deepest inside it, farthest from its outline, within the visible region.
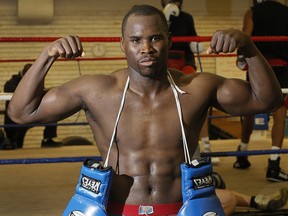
(235, 97)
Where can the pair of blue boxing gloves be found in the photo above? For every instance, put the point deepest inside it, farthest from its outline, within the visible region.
(198, 191)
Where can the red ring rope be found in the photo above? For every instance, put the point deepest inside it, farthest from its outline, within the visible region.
(61, 59)
(104, 58)
(117, 39)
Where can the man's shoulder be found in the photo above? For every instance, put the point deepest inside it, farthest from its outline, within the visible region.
(196, 82)
(197, 77)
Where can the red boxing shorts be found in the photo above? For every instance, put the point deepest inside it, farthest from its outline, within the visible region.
(171, 209)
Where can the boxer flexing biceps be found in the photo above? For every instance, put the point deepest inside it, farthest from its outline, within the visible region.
(147, 147)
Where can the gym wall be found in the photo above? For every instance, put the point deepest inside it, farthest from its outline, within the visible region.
(92, 18)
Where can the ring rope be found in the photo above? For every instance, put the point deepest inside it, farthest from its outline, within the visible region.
(106, 58)
(86, 123)
(117, 39)
(62, 59)
(51, 39)
(46, 160)
(78, 123)
(82, 158)
(244, 153)
(44, 124)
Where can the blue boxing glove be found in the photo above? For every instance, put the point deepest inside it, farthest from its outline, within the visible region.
(92, 190)
(198, 191)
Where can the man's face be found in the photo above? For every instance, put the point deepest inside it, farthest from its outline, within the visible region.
(145, 43)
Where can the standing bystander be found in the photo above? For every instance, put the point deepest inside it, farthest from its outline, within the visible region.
(268, 18)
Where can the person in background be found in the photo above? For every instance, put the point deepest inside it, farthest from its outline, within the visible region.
(180, 23)
(261, 20)
(181, 54)
(230, 200)
(15, 135)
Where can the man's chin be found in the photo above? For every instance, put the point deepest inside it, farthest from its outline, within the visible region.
(149, 73)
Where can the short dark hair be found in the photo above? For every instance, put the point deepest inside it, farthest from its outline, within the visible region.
(144, 10)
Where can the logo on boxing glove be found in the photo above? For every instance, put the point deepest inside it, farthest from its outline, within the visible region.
(202, 182)
(90, 184)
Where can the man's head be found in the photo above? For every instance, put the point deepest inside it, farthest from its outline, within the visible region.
(25, 69)
(176, 2)
(145, 40)
(143, 10)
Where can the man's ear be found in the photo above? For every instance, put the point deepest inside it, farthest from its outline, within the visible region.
(170, 40)
(122, 44)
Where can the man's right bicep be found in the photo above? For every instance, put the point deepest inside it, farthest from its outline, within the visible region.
(58, 104)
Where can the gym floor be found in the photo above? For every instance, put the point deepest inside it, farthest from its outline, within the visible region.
(46, 188)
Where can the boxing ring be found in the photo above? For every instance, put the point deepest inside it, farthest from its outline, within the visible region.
(7, 96)
(57, 169)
